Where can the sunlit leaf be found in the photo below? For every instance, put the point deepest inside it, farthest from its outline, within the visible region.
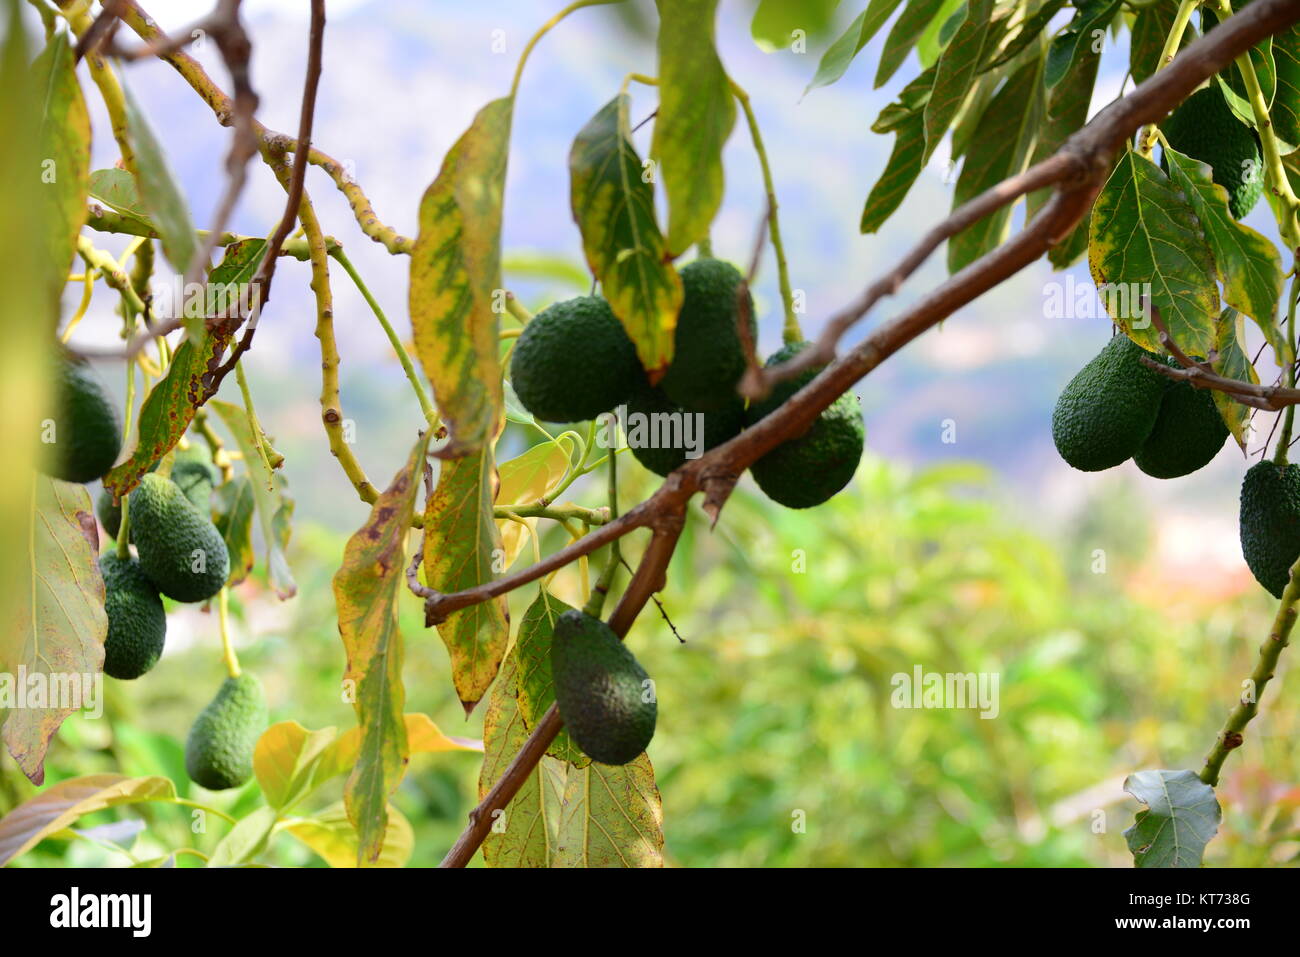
(330, 834)
(955, 73)
(116, 189)
(1232, 363)
(525, 480)
(64, 151)
(837, 58)
(532, 660)
(287, 762)
(610, 816)
(903, 36)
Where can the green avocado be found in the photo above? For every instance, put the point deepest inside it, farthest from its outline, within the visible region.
(137, 624)
(807, 470)
(654, 419)
(1205, 128)
(219, 749)
(1108, 410)
(605, 697)
(1270, 523)
(1188, 433)
(109, 512)
(86, 437)
(573, 361)
(180, 549)
(708, 358)
(194, 472)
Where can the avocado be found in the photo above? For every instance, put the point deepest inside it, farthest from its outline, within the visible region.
(573, 361)
(137, 624)
(1188, 433)
(180, 549)
(809, 469)
(601, 690)
(194, 472)
(646, 426)
(1108, 410)
(110, 513)
(708, 358)
(219, 749)
(86, 437)
(1270, 523)
(1205, 128)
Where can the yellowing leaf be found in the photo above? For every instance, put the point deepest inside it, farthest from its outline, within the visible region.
(611, 816)
(55, 647)
(287, 762)
(525, 480)
(462, 549)
(456, 281)
(1232, 362)
(330, 835)
(366, 588)
(614, 208)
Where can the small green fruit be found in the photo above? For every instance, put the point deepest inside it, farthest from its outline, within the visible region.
(180, 549)
(86, 437)
(1270, 523)
(137, 624)
(219, 749)
(708, 358)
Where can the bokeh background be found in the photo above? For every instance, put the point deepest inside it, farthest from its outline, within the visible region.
(975, 553)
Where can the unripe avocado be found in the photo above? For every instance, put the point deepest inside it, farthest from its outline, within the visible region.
(109, 512)
(601, 690)
(194, 472)
(180, 549)
(1205, 128)
(137, 624)
(87, 436)
(1270, 523)
(219, 749)
(646, 425)
(1188, 433)
(708, 359)
(806, 471)
(1108, 410)
(573, 361)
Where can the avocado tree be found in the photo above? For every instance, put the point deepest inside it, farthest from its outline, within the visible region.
(666, 337)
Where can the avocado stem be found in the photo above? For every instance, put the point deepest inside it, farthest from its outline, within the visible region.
(223, 622)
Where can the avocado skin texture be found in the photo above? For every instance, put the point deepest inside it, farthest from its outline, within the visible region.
(573, 361)
(1107, 411)
(599, 688)
(1205, 128)
(87, 436)
(806, 471)
(708, 359)
(219, 749)
(718, 427)
(1270, 523)
(137, 624)
(1188, 433)
(194, 472)
(167, 530)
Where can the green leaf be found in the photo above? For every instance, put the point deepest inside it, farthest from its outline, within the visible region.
(116, 189)
(163, 198)
(611, 816)
(462, 549)
(1180, 818)
(233, 505)
(532, 662)
(903, 36)
(1067, 111)
(1231, 361)
(940, 32)
(246, 839)
(955, 73)
(1248, 265)
(58, 806)
(1086, 32)
(1144, 235)
(65, 154)
(835, 61)
(1151, 27)
(57, 638)
(270, 493)
(1030, 29)
(696, 114)
(901, 171)
(456, 280)
(1000, 148)
(1231, 81)
(1285, 112)
(613, 205)
(911, 100)
(366, 590)
(775, 21)
(527, 479)
(330, 834)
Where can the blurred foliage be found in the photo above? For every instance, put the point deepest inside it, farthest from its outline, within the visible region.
(776, 708)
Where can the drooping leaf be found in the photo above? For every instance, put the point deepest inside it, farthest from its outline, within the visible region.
(613, 205)
(611, 816)
(456, 278)
(1000, 148)
(116, 189)
(903, 36)
(366, 590)
(270, 494)
(65, 153)
(58, 806)
(51, 653)
(955, 73)
(1086, 32)
(1027, 32)
(901, 171)
(525, 480)
(462, 549)
(233, 502)
(1232, 363)
(330, 834)
(696, 114)
(835, 61)
(1249, 266)
(1231, 81)
(775, 22)
(532, 662)
(1180, 818)
(1143, 238)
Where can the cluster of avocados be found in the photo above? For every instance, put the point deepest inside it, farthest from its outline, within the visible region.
(180, 554)
(1205, 128)
(573, 361)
